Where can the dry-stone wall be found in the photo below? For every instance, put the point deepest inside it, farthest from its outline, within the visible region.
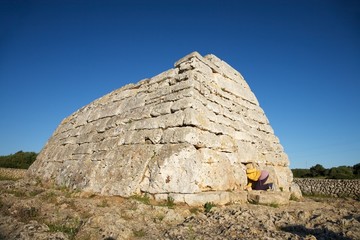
(330, 187)
(12, 173)
(185, 131)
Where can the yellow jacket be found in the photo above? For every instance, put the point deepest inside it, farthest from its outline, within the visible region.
(253, 175)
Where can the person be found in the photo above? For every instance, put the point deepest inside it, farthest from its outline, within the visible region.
(257, 179)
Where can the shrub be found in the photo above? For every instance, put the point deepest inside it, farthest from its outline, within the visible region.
(317, 171)
(104, 203)
(70, 228)
(20, 159)
(342, 172)
(208, 206)
(139, 233)
(170, 202)
(300, 173)
(144, 199)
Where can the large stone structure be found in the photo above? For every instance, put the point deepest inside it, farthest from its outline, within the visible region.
(186, 131)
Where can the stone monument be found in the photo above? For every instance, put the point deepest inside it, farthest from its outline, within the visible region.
(184, 133)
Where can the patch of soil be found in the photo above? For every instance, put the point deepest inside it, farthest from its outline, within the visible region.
(30, 211)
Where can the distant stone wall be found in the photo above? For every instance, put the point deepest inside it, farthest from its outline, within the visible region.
(12, 173)
(330, 187)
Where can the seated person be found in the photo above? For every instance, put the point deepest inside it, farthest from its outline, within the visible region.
(257, 179)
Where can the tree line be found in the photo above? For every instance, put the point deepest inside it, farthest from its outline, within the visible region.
(318, 171)
(20, 159)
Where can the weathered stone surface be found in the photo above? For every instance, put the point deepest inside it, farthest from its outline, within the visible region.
(198, 199)
(185, 131)
(269, 198)
(295, 192)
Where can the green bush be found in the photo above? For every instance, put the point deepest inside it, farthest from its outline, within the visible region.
(300, 172)
(342, 172)
(356, 170)
(20, 159)
(318, 171)
(208, 206)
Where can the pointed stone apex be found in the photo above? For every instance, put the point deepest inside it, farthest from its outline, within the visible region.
(187, 58)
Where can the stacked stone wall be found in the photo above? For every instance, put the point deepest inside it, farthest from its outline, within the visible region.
(12, 173)
(187, 130)
(330, 187)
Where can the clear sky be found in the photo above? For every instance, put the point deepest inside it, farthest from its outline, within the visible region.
(300, 58)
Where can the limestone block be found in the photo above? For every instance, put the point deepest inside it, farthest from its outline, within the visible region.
(99, 155)
(82, 118)
(295, 191)
(226, 69)
(193, 118)
(122, 177)
(238, 169)
(219, 100)
(187, 58)
(166, 75)
(133, 137)
(234, 116)
(148, 123)
(214, 107)
(117, 131)
(126, 93)
(269, 197)
(198, 138)
(282, 175)
(224, 121)
(247, 151)
(161, 109)
(69, 140)
(135, 114)
(238, 197)
(145, 136)
(220, 129)
(199, 65)
(172, 170)
(232, 87)
(216, 171)
(186, 84)
(171, 120)
(66, 125)
(199, 199)
(182, 135)
(189, 92)
(182, 104)
(242, 136)
(85, 148)
(162, 91)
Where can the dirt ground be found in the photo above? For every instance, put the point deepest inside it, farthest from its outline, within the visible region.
(30, 211)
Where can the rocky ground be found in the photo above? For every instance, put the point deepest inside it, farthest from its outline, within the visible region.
(30, 211)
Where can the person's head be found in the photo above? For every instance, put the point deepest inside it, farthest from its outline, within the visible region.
(250, 165)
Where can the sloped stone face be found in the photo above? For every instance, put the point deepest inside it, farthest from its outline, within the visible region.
(184, 131)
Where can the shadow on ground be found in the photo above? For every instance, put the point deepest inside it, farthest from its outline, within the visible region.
(319, 233)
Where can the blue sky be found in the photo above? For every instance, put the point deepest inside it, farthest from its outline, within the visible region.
(300, 58)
